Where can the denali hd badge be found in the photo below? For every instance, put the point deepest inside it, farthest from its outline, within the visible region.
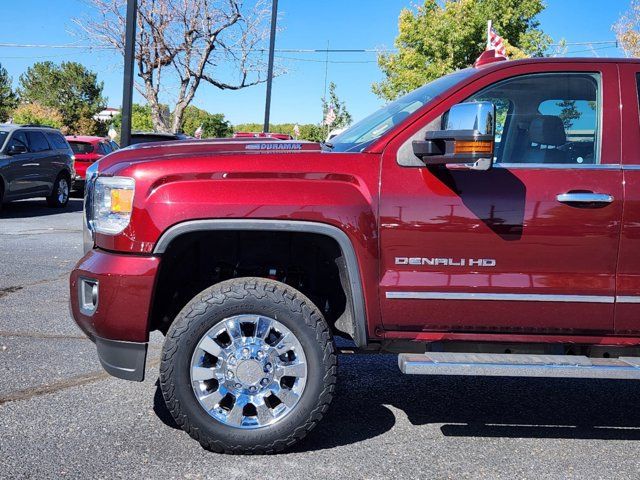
(447, 262)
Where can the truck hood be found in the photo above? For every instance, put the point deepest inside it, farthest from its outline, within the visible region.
(199, 148)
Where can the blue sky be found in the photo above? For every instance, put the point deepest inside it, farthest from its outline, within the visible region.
(306, 24)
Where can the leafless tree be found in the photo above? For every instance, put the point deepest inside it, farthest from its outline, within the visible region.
(185, 43)
(627, 30)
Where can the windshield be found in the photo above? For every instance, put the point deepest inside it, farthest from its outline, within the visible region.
(3, 138)
(357, 137)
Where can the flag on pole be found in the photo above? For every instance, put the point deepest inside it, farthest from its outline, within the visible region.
(296, 130)
(198, 132)
(112, 133)
(495, 41)
(330, 117)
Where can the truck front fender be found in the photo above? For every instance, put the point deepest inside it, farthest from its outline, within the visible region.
(350, 269)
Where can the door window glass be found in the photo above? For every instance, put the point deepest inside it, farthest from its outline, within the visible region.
(18, 138)
(57, 141)
(37, 142)
(546, 118)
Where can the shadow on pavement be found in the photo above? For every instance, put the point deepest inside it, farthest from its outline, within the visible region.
(467, 406)
(37, 208)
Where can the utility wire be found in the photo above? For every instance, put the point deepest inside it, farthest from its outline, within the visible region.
(263, 50)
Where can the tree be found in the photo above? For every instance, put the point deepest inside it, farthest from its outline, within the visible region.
(68, 88)
(309, 131)
(312, 132)
(627, 29)
(192, 41)
(438, 38)
(213, 124)
(343, 117)
(8, 98)
(568, 113)
(38, 114)
(140, 119)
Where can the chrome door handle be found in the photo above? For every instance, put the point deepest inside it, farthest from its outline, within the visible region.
(587, 197)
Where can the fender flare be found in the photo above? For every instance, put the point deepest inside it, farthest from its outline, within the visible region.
(355, 295)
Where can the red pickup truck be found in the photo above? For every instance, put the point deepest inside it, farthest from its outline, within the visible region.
(487, 223)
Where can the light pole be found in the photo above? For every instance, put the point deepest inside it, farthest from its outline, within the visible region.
(129, 57)
(272, 44)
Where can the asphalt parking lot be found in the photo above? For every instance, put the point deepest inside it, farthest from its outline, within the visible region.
(61, 416)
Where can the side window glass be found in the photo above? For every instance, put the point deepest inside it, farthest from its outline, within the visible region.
(18, 138)
(57, 141)
(114, 145)
(579, 121)
(546, 118)
(37, 142)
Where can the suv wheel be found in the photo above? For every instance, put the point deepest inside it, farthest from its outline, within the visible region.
(60, 195)
(248, 366)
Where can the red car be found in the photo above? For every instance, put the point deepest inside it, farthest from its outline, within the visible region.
(87, 150)
(487, 223)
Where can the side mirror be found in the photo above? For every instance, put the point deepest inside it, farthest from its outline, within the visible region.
(468, 138)
(17, 149)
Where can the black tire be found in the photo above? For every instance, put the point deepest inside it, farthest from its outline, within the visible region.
(248, 296)
(60, 194)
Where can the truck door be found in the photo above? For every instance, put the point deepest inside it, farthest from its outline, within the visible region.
(529, 246)
(627, 319)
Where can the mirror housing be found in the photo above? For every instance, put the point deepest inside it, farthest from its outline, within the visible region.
(468, 138)
(17, 149)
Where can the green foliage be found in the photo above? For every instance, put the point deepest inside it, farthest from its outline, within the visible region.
(438, 38)
(568, 113)
(313, 132)
(140, 119)
(37, 114)
(69, 88)
(213, 124)
(310, 131)
(8, 98)
(343, 117)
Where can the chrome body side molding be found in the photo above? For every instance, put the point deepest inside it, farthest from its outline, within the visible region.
(628, 299)
(513, 297)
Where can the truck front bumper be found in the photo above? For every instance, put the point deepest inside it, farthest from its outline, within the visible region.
(111, 297)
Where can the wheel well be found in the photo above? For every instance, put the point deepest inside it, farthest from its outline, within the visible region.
(309, 262)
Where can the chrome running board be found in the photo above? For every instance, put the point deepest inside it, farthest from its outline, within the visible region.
(518, 365)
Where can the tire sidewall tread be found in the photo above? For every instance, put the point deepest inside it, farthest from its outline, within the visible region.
(246, 296)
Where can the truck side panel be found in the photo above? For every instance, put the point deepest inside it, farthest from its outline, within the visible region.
(627, 317)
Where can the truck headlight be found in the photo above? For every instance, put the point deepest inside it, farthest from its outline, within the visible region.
(112, 204)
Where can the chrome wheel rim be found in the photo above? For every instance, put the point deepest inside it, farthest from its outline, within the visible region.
(63, 190)
(248, 371)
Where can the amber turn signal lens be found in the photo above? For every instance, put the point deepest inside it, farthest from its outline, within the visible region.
(121, 200)
(473, 147)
